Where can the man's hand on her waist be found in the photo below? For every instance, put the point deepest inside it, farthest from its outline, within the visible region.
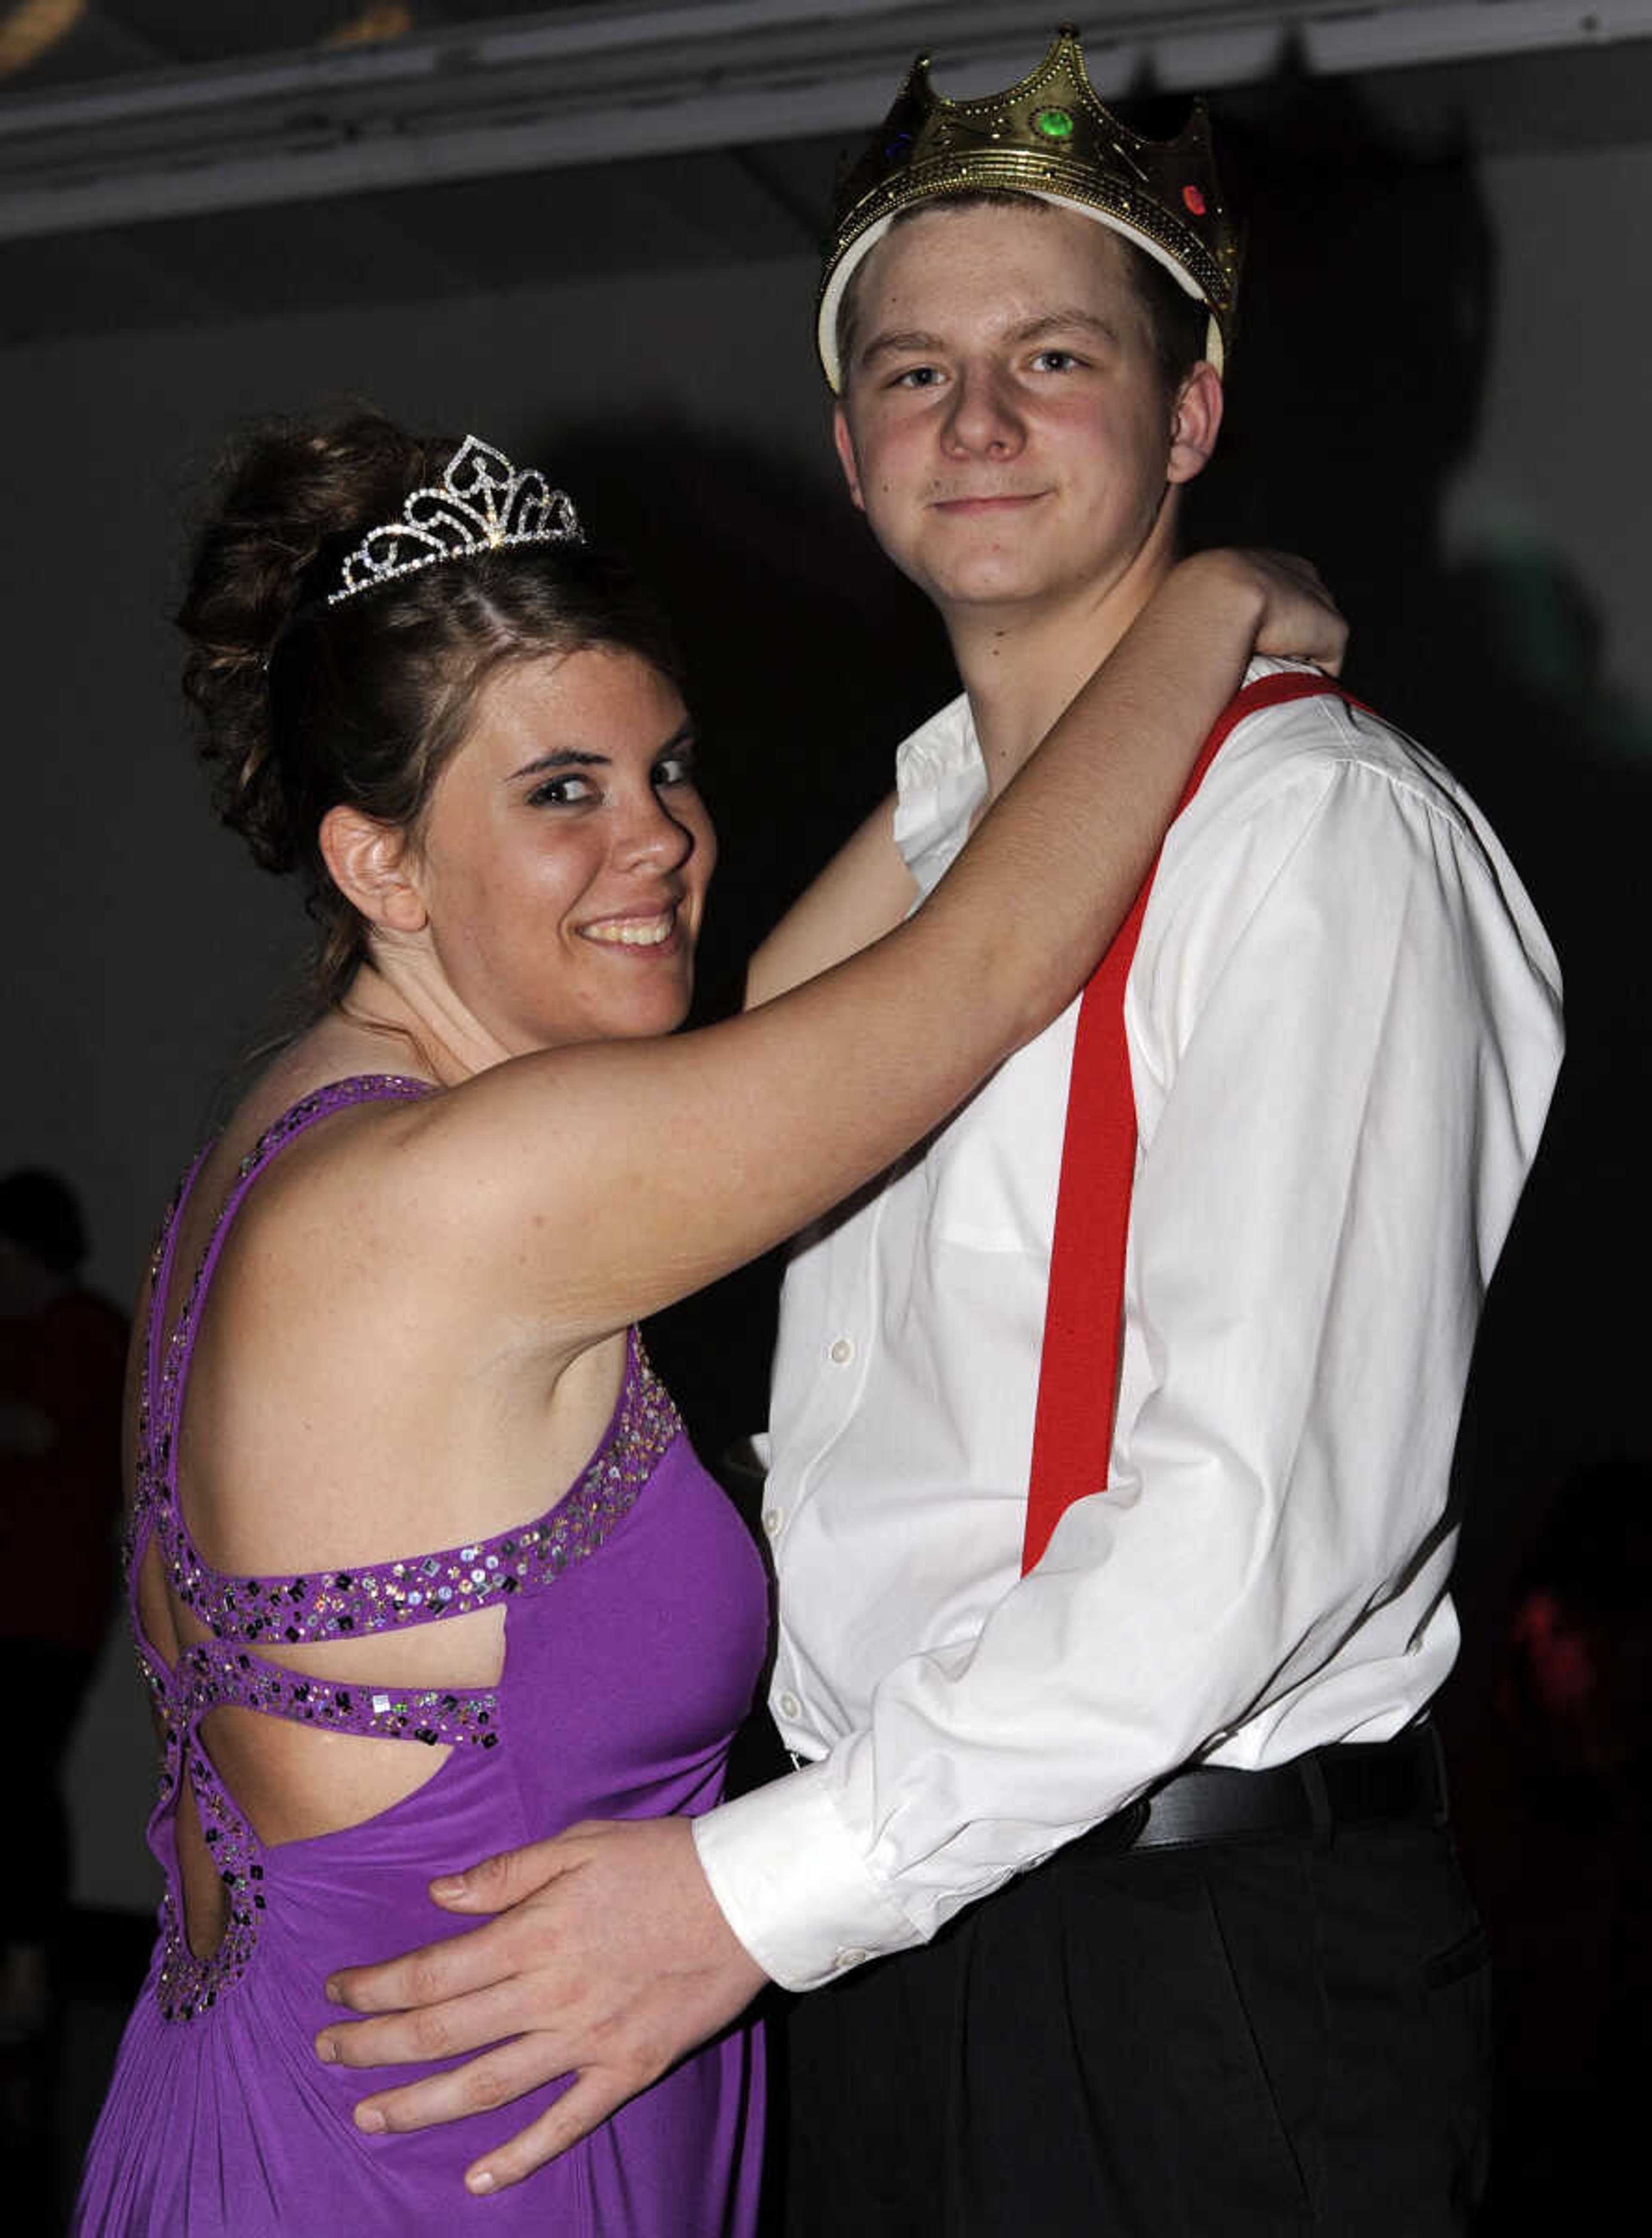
(608, 1960)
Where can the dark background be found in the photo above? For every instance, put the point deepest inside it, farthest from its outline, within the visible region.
(1437, 395)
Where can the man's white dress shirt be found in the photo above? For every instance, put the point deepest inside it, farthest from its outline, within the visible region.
(1344, 1027)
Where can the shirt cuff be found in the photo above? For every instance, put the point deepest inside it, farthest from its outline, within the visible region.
(793, 1885)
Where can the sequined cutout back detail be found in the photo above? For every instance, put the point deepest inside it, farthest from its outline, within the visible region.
(248, 1615)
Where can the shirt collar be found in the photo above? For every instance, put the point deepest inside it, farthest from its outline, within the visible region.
(940, 783)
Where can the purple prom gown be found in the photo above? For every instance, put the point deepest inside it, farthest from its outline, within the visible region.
(635, 1615)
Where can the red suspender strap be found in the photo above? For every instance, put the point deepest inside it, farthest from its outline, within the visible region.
(1078, 1379)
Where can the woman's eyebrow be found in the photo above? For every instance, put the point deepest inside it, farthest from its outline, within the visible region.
(560, 758)
(580, 757)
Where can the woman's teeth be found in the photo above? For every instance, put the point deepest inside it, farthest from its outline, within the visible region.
(634, 932)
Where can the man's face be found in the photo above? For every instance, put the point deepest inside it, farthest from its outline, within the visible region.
(1003, 425)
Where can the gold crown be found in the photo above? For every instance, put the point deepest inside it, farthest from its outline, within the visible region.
(1048, 136)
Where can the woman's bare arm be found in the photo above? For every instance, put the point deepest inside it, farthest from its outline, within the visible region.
(588, 1185)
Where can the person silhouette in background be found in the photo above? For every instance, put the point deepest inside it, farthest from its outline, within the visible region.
(63, 1350)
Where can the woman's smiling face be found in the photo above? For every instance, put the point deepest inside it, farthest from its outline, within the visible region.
(566, 854)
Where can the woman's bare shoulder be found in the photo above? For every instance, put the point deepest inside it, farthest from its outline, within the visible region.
(320, 1124)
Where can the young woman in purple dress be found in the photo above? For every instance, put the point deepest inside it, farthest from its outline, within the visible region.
(421, 1565)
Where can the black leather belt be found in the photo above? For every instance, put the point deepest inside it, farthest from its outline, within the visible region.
(1352, 1784)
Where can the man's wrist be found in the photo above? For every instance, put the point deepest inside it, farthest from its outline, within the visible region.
(791, 1884)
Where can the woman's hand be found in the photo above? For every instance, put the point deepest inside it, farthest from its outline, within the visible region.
(1295, 616)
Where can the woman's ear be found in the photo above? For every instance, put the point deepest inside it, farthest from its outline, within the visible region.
(374, 868)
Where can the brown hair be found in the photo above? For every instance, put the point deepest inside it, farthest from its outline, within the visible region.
(1176, 323)
(305, 707)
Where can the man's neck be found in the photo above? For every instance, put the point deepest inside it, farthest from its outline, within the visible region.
(1022, 665)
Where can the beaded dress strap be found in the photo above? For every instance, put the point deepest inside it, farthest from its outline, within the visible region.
(165, 1394)
(140, 1516)
(321, 1605)
(300, 1608)
(166, 1354)
(161, 1266)
(215, 1671)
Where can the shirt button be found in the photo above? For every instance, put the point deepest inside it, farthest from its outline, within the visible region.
(791, 1706)
(841, 1352)
(772, 1519)
(845, 1959)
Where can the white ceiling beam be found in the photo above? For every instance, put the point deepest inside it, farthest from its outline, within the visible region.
(621, 81)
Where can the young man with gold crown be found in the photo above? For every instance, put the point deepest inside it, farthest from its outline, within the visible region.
(1112, 1433)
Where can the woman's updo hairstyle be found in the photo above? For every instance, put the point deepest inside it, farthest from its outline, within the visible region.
(307, 706)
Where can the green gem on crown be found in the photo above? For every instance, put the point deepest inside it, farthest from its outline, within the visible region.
(1053, 123)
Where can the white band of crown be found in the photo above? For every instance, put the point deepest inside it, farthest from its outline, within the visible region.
(482, 505)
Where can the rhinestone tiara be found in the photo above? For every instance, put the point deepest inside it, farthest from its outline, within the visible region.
(1047, 135)
(481, 504)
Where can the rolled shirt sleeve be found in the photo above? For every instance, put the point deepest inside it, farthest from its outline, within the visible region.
(1344, 1029)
